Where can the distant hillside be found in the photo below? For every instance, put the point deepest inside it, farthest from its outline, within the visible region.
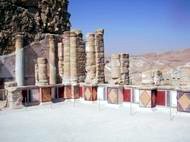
(168, 62)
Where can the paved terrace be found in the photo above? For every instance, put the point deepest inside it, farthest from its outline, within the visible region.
(86, 122)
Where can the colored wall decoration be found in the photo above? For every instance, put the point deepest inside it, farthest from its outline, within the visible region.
(127, 92)
(115, 95)
(67, 92)
(183, 101)
(90, 93)
(147, 98)
(161, 98)
(46, 94)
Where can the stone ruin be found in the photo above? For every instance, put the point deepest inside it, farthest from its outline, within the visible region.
(120, 69)
(57, 63)
(38, 50)
(95, 57)
(65, 58)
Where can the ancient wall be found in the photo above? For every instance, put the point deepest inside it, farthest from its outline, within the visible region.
(31, 53)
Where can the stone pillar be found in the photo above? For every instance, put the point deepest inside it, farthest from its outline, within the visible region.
(42, 71)
(60, 60)
(52, 60)
(90, 59)
(157, 77)
(66, 69)
(99, 49)
(115, 69)
(82, 61)
(19, 65)
(73, 57)
(36, 74)
(124, 62)
(81, 56)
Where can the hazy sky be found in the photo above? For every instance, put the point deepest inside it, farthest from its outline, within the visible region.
(135, 26)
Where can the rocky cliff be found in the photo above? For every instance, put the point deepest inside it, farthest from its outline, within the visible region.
(32, 18)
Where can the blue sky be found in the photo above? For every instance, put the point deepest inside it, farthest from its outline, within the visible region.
(135, 26)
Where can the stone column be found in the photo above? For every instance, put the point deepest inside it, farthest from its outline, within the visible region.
(90, 59)
(99, 49)
(115, 69)
(82, 61)
(42, 71)
(52, 60)
(81, 56)
(66, 69)
(124, 61)
(36, 74)
(73, 57)
(60, 60)
(19, 65)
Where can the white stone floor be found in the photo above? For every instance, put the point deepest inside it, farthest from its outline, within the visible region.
(86, 122)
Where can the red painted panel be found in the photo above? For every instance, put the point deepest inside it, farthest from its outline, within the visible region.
(160, 98)
(127, 95)
(81, 91)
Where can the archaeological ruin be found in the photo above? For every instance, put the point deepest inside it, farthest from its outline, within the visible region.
(44, 60)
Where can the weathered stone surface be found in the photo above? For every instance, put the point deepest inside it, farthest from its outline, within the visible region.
(90, 59)
(120, 69)
(124, 68)
(60, 61)
(66, 60)
(42, 78)
(115, 69)
(99, 55)
(73, 57)
(14, 98)
(52, 60)
(33, 19)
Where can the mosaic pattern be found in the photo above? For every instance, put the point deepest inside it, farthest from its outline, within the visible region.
(183, 102)
(147, 98)
(113, 96)
(90, 93)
